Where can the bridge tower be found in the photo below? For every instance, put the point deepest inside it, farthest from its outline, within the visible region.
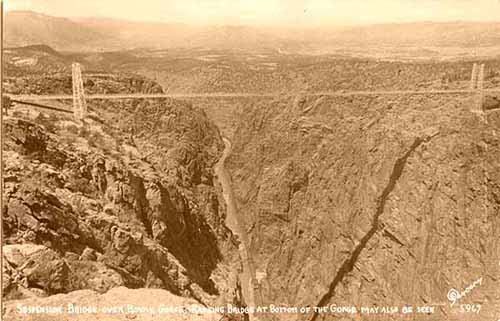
(473, 78)
(480, 88)
(79, 104)
(477, 84)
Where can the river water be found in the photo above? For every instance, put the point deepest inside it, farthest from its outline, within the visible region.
(235, 223)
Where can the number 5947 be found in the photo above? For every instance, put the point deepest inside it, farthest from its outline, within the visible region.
(470, 308)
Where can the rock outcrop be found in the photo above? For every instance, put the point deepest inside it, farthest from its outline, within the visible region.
(127, 198)
(370, 201)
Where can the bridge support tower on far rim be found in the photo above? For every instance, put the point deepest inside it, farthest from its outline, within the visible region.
(477, 84)
(79, 103)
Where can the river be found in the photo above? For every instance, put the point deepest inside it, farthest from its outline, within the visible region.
(236, 224)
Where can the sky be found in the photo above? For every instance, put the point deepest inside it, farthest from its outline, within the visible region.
(269, 12)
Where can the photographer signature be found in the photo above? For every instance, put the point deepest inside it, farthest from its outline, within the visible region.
(454, 295)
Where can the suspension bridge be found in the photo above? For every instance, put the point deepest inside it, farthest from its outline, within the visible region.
(79, 108)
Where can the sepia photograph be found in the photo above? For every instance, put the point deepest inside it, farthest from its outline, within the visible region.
(250, 160)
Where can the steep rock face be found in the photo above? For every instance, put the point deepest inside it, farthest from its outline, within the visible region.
(98, 205)
(370, 201)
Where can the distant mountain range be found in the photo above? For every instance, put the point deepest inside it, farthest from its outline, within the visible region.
(96, 34)
(28, 28)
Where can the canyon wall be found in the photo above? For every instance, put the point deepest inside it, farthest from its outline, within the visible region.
(127, 198)
(373, 201)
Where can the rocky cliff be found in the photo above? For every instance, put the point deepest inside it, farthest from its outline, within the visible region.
(125, 199)
(371, 201)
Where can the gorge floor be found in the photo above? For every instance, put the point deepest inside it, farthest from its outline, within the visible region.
(236, 225)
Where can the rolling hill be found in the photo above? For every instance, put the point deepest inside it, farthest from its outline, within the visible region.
(24, 28)
(99, 34)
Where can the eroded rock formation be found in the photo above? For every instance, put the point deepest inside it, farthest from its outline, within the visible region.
(116, 202)
(370, 201)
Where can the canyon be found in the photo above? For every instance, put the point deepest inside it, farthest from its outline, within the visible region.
(289, 200)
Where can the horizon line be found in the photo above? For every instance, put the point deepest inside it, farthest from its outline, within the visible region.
(277, 25)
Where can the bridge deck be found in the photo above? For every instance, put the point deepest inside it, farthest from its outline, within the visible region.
(236, 95)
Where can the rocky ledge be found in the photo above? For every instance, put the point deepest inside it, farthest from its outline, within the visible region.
(113, 203)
